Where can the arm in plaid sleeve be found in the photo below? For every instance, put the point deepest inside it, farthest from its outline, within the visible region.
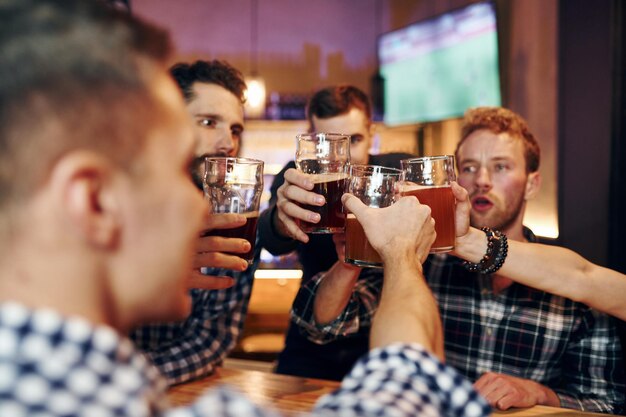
(191, 349)
(358, 312)
(403, 380)
(593, 372)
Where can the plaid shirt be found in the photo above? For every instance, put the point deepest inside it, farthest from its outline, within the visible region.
(522, 332)
(56, 366)
(193, 348)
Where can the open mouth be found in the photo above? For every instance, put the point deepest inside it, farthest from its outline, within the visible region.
(481, 203)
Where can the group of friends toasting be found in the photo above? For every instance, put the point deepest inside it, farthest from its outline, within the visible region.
(107, 235)
(519, 346)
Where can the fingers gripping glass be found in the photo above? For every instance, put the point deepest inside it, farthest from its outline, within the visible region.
(326, 158)
(234, 185)
(429, 179)
(375, 186)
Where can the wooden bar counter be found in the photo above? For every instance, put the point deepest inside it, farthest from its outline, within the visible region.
(294, 394)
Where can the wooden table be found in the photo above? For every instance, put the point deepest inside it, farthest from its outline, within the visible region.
(287, 393)
(294, 394)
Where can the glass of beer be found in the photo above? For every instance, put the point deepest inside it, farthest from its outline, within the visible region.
(429, 179)
(326, 158)
(234, 185)
(375, 186)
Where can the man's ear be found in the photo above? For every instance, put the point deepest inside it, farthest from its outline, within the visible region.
(372, 129)
(533, 184)
(84, 183)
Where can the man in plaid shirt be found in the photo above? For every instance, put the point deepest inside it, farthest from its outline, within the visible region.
(214, 96)
(520, 346)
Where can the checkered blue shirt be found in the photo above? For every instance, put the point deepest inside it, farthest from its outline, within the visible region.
(60, 367)
(522, 332)
(193, 348)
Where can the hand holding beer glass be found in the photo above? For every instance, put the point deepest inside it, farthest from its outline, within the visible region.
(234, 185)
(325, 157)
(375, 186)
(429, 179)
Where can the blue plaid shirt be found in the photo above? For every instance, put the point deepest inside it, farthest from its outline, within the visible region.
(193, 348)
(522, 332)
(56, 366)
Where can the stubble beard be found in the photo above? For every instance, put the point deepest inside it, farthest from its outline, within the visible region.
(499, 219)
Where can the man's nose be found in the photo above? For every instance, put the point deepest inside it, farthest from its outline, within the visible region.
(226, 144)
(483, 179)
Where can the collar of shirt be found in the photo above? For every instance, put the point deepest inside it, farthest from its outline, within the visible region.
(68, 366)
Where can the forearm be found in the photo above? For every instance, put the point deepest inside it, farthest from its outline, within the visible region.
(270, 238)
(334, 292)
(555, 270)
(384, 383)
(407, 302)
(188, 360)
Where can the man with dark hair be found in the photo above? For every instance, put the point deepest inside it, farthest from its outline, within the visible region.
(98, 233)
(214, 97)
(521, 346)
(337, 109)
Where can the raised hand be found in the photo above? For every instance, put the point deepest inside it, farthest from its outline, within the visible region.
(404, 229)
(295, 189)
(463, 208)
(216, 252)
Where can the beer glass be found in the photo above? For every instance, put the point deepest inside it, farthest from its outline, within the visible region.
(428, 179)
(326, 158)
(234, 185)
(376, 187)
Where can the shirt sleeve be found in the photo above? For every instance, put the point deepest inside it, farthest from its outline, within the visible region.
(358, 313)
(403, 380)
(593, 372)
(268, 237)
(399, 380)
(191, 349)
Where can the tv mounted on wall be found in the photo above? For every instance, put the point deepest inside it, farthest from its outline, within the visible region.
(437, 68)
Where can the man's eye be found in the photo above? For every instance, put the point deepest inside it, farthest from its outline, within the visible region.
(206, 122)
(501, 167)
(356, 139)
(468, 169)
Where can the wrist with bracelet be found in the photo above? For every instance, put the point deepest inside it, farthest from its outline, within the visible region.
(497, 249)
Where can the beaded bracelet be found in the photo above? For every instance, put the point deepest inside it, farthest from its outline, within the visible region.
(497, 249)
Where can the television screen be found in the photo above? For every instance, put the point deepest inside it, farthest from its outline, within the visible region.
(437, 68)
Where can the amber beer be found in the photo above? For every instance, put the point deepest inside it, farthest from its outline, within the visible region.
(332, 218)
(359, 251)
(246, 231)
(376, 187)
(441, 202)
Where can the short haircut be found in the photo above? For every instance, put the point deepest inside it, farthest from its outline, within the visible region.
(74, 74)
(500, 120)
(210, 72)
(337, 100)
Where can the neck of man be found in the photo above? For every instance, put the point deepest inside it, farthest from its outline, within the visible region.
(514, 232)
(67, 286)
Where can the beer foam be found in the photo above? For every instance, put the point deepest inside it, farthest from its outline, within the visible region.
(407, 186)
(248, 215)
(328, 177)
